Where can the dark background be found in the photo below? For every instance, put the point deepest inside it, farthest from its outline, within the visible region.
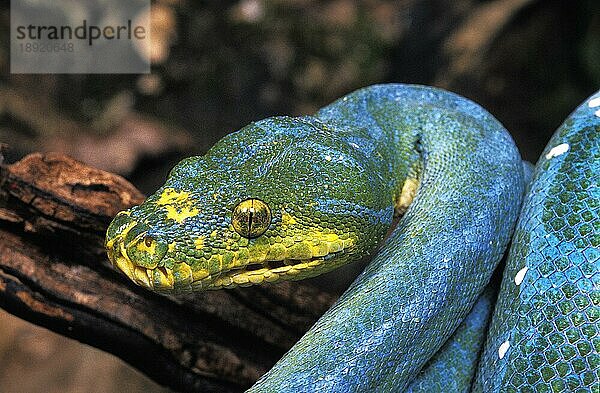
(218, 65)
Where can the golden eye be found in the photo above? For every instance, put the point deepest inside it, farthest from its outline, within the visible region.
(251, 218)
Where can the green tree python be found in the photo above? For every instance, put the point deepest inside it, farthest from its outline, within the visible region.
(287, 198)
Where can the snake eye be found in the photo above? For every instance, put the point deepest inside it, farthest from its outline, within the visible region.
(251, 218)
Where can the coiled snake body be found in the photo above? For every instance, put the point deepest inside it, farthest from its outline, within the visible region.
(289, 198)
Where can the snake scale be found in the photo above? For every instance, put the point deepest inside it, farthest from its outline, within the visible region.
(287, 198)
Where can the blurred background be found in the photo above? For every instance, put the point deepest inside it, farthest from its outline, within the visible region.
(217, 65)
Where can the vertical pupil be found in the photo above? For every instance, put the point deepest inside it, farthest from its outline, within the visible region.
(251, 212)
(250, 215)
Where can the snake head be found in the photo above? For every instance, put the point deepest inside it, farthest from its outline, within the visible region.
(281, 199)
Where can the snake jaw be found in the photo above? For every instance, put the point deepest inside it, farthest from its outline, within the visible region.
(269, 272)
(272, 270)
(325, 256)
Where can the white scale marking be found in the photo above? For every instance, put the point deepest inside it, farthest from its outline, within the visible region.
(503, 348)
(557, 150)
(593, 103)
(554, 152)
(520, 275)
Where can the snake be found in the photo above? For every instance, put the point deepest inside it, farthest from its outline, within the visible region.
(544, 335)
(430, 186)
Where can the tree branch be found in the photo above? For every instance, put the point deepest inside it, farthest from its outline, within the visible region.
(54, 272)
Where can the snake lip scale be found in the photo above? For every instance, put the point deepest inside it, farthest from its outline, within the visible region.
(269, 267)
(161, 278)
(153, 278)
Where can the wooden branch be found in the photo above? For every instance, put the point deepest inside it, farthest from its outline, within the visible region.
(54, 272)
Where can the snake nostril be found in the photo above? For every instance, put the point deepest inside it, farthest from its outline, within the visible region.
(143, 249)
(163, 270)
(148, 240)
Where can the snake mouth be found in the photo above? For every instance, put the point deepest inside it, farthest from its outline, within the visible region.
(269, 271)
(155, 278)
(180, 277)
(163, 279)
